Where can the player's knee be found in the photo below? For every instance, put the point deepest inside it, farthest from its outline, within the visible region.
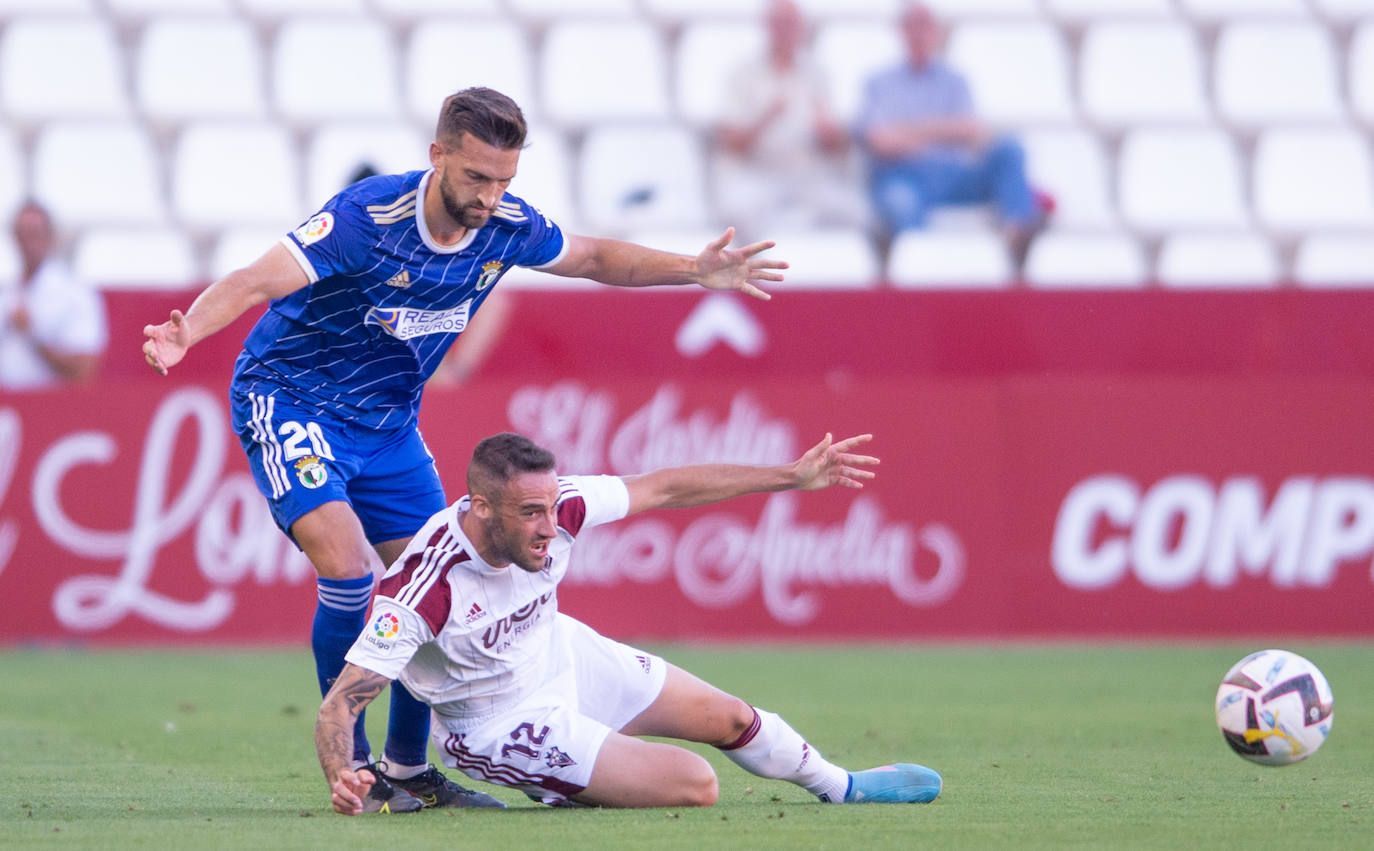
(740, 719)
(701, 788)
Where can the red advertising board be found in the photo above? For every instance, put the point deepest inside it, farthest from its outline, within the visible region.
(1053, 464)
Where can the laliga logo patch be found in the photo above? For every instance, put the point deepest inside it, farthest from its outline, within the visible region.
(316, 229)
(490, 272)
(386, 625)
(311, 471)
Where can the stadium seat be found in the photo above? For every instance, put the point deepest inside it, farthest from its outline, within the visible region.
(545, 175)
(1344, 11)
(850, 8)
(1361, 72)
(986, 9)
(13, 173)
(1079, 11)
(684, 10)
(1134, 72)
(199, 67)
(933, 259)
(120, 257)
(537, 9)
(336, 151)
(1335, 260)
(1071, 165)
(829, 258)
(708, 55)
(1069, 260)
(850, 51)
(425, 9)
(449, 54)
(1217, 260)
(1174, 179)
(335, 68)
(1269, 72)
(1018, 71)
(152, 9)
(593, 70)
(1216, 10)
(61, 67)
(275, 9)
(228, 173)
(635, 177)
(1312, 179)
(88, 172)
(235, 248)
(12, 9)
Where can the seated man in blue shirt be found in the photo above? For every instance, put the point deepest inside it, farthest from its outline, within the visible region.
(926, 147)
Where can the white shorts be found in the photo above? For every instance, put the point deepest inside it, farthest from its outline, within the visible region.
(546, 745)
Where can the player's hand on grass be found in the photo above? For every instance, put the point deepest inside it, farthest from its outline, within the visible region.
(722, 268)
(167, 343)
(346, 792)
(831, 463)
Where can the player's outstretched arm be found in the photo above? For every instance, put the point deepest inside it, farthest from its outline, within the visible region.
(355, 688)
(829, 462)
(273, 275)
(717, 267)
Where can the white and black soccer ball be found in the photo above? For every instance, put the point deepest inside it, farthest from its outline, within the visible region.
(1274, 707)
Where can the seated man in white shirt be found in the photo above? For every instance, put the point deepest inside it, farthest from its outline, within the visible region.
(527, 697)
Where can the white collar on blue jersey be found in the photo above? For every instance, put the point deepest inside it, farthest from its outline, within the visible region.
(424, 228)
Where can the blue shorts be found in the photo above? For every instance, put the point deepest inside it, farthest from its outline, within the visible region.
(302, 458)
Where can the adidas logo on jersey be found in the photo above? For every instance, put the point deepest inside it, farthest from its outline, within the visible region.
(474, 614)
(400, 280)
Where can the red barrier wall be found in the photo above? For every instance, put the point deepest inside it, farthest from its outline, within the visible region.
(1127, 464)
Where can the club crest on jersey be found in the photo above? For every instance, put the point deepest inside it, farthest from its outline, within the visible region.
(316, 229)
(404, 323)
(490, 272)
(311, 471)
(557, 759)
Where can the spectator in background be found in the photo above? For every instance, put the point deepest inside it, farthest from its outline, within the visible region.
(927, 148)
(52, 325)
(783, 157)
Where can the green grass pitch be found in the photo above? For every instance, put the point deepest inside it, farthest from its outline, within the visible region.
(1041, 746)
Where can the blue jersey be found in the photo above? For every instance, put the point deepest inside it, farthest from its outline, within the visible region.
(385, 301)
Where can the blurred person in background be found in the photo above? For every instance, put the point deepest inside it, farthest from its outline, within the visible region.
(783, 160)
(927, 148)
(365, 299)
(53, 329)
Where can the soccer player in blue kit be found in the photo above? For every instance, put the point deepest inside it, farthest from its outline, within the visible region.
(366, 297)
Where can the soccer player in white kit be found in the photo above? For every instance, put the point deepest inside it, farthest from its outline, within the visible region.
(527, 697)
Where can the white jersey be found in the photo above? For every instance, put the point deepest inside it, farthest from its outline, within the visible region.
(469, 638)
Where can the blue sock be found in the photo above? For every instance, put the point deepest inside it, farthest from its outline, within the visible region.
(407, 729)
(340, 613)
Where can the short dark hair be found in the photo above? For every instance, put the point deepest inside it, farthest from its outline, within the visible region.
(501, 457)
(486, 114)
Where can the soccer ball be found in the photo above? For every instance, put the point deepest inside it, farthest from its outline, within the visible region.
(1274, 707)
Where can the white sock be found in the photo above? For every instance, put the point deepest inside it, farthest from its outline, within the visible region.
(771, 748)
(401, 772)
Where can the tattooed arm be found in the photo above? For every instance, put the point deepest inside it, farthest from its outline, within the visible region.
(352, 691)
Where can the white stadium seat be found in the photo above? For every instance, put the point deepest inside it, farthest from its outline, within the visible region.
(1065, 260)
(544, 177)
(1271, 71)
(1175, 179)
(825, 258)
(1335, 260)
(151, 9)
(850, 52)
(13, 173)
(13, 8)
(61, 67)
(1217, 260)
(335, 68)
(708, 55)
(88, 172)
(337, 150)
(1087, 10)
(1214, 10)
(424, 9)
(678, 10)
(1133, 72)
(1071, 165)
(446, 55)
(537, 9)
(273, 9)
(592, 71)
(949, 10)
(1344, 10)
(1313, 179)
(934, 259)
(235, 248)
(132, 257)
(1018, 71)
(199, 67)
(1361, 72)
(850, 8)
(635, 177)
(228, 173)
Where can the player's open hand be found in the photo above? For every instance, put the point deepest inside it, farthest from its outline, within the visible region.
(831, 463)
(347, 791)
(720, 267)
(167, 343)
